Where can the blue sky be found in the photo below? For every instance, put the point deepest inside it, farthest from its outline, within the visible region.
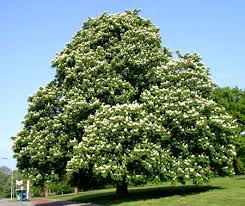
(31, 32)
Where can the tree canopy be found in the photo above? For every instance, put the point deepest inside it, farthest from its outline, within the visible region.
(122, 109)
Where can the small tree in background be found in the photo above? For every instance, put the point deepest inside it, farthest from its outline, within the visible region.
(5, 181)
(233, 100)
(122, 110)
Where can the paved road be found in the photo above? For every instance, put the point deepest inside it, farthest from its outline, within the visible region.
(60, 203)
(7, 202)
(41, 202)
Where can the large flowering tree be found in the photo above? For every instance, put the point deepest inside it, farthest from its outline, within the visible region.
(124, 110)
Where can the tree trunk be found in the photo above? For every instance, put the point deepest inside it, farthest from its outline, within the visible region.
(122, 188)
(46, 191)
(236, 167)
(76, 190)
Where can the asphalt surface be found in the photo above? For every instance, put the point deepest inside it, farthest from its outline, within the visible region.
(7, 202)
(41, 202)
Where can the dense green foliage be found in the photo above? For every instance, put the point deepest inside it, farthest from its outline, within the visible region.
(6, 179)
(56, 188)
(233, 99)
(122, 110)
(5, 182)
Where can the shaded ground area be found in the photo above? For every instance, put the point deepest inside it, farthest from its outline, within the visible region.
(108, 198)
(42, 202)
(135, 194)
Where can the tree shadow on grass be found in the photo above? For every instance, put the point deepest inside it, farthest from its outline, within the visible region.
(136, 194)
(143, 194)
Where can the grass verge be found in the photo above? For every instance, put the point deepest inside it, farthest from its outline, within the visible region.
(218, 192)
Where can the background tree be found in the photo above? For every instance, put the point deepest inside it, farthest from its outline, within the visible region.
(233, 100)
(5, 181)
(122, 110)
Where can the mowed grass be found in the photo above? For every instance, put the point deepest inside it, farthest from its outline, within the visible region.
(218, 192)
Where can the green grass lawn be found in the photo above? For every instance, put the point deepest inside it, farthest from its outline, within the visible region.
(218, 192)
